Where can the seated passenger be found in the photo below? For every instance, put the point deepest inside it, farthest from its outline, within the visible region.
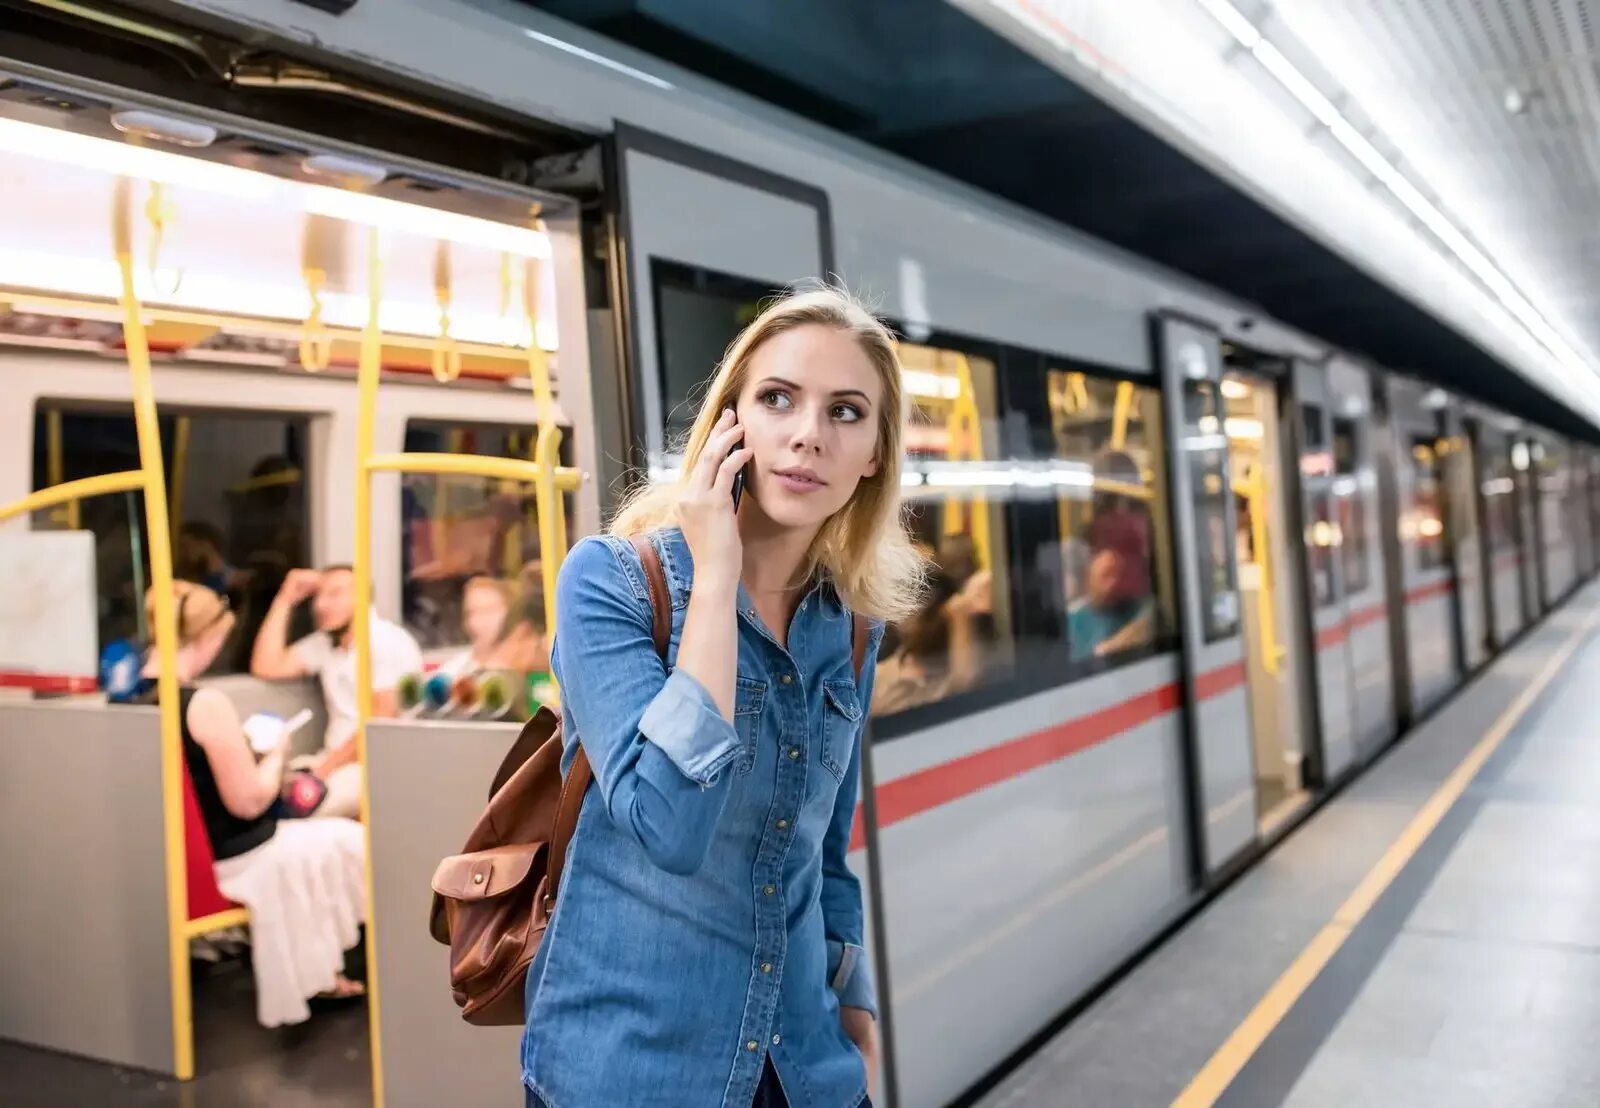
(485, 611)
(1104, 622)
(527, 644)
(304, 881)
(938, 653)
(328, 653)
(1121, 523)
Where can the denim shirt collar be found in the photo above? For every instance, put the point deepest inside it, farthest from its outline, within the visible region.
(678, 565)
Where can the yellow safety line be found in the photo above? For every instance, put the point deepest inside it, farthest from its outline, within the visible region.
(160, 539)
(368, 370)
(1218, 1073)
(472, 465)
(71, 491)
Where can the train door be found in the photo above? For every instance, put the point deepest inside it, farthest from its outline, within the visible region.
(1428, 588)
(1361, 557)
(1527, 494)
(1324, 594)
(1577, 510)
(1222, 768)
(1458, 463)
(1503, 553)
(1265, 501)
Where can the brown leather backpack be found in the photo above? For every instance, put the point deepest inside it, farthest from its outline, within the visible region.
(493, 901)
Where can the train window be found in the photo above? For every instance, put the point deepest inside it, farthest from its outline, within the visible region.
(1424, 525)
(1351, 508)
(963, 638)
(698, 313)
(1321, 537)
(1205, 452)
(1550, 468)
(236, 493)
(1499, 502)
(470, 557)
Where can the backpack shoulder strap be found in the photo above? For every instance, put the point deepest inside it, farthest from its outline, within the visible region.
(580, 774)
(860, 631)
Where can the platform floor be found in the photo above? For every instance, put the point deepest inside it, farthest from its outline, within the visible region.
(1471, 978)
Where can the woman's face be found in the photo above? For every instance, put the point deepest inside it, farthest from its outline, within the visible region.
(810, 410)
(483, 617)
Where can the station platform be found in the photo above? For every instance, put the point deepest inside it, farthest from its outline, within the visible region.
(1431, 936)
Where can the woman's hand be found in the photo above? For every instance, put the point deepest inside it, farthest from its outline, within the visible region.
(863, 1031)
(706, 510)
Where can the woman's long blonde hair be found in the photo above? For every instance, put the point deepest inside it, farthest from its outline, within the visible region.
(863, 548)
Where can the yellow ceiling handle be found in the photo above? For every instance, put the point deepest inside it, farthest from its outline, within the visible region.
(446, 352)
(1253, 487)
(316, 341)
(160, 213)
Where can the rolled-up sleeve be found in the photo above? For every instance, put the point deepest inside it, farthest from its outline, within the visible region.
(656, 743)
(850, 973)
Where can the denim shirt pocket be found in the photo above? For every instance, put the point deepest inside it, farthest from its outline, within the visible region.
(841, 722)
(748, 697)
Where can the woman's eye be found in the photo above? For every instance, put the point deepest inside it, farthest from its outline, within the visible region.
(846, 413)
(776, 398)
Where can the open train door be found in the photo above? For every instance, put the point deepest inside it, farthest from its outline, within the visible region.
(700, 240)
(1214, 664)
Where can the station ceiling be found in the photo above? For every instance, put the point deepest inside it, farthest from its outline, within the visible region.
(924, 80)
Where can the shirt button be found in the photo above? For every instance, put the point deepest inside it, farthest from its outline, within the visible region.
(766, 967)
(787, 679)
(751, 1045)
(776, 1039)
(782, 823)
(768, 890)
(794, 754)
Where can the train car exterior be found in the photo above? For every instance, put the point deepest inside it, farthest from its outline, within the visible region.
(1331, 547)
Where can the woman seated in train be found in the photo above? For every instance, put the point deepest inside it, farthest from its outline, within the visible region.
(1106, 620)
(303, 880)
(939, 650)
(504, 629)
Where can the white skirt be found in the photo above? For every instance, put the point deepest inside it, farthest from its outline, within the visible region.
(306, 889)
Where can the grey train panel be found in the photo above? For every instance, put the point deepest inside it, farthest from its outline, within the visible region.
(1366, 613)
(1330, 616)
(681, 214)
(1493, 457)
(440, 770)
(1072, 864)
(1528, 516)
(1191, 355)
(1550, 469)
(84, 965)
(1429, 588)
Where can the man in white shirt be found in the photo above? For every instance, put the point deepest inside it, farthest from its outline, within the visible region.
(329, 654)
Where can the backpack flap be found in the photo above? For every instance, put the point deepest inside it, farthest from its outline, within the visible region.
(485, 873)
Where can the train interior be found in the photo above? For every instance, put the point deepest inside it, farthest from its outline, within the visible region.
(1264, 495)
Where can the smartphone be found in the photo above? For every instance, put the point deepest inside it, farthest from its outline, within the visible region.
(738, 478)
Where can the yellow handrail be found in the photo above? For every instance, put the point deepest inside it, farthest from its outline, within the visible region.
(1253, 487)
(128, 481)
(159, 536)
(473, 465)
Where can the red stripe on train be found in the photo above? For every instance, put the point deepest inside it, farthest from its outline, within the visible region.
(53, 683)
(938, 785)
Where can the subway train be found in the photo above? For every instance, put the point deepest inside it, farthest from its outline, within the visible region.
(1194, 568)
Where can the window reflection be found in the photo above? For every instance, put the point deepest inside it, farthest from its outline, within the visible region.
(1351, 506)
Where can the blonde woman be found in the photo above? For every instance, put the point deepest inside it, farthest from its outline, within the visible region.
(707, 949)
(304, 881)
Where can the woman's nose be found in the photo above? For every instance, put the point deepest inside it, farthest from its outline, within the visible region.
(809, 430)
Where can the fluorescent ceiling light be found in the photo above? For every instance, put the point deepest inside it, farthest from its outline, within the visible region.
(1578, 370)
(920, 382)
(598, 59)
(123, 159)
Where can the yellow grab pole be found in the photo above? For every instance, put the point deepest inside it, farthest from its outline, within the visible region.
(71, 492)
(159, 536)
(1119, 415)
(368, 370)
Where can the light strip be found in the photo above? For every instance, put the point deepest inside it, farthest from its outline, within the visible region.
(125, 160)
(1410, 197)
(599, 59)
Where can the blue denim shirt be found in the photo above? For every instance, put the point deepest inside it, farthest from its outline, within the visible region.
(707, 917)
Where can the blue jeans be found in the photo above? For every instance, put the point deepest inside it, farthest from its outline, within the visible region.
(769, 1094)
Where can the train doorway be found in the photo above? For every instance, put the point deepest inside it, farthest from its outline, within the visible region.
(1264, 494)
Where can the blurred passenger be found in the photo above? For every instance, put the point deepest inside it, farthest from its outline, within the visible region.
(486, 605)
(199, 558)
(328, 653)
(304, 881)
(1104, 622)
(938, 653)
(1121, 523)
(527, 645)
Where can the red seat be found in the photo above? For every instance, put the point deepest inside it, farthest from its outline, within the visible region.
(205, 899)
